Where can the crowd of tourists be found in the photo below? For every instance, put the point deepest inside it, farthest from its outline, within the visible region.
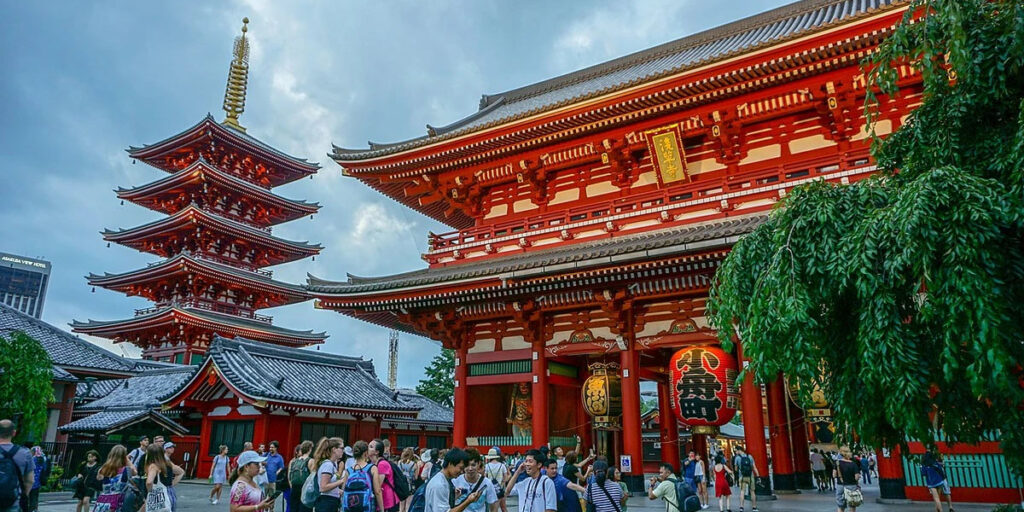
(330, 476)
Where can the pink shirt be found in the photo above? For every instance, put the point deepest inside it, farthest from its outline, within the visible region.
(243, 494)
(387, 489)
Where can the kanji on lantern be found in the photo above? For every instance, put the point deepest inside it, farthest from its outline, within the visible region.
(704, 392)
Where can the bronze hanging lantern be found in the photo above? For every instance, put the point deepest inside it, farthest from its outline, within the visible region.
(602, 396)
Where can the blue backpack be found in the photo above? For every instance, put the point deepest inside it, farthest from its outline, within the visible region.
(358, 494)
(419, 498)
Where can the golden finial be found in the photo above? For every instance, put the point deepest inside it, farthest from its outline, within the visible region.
(238, 78)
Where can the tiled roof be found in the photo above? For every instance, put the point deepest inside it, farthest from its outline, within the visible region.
(109, 421)
(145, 390)
(744, 36)
(430, 411)
(87, 392)
(211, 317)
(263, 371)
(60, 375)
(66, 350)
(677, 240)
(210, 123)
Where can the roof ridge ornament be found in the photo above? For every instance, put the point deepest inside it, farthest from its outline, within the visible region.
(238, 79)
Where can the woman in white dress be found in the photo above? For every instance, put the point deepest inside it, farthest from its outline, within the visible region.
(219, 473)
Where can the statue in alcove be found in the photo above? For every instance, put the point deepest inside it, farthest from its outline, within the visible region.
(520, 414)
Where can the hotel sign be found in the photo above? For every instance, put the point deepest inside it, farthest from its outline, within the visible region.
(667, 155)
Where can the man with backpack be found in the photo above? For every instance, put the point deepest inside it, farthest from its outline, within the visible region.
(439, 494)
(17, 471)
(678, 495)
(136, 455)
(747, 471)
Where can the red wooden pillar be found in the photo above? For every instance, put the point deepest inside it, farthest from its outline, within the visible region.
(753, 428)
(205, 462)
(632, 431)
(892, 484)
(801, 452)
(461, 398)
(540, 396)
(783, 471)
(669, 427)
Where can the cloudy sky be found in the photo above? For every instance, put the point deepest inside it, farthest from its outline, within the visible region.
(82, 81)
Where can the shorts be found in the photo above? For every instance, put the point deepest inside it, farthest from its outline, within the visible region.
(746, 482)
(943, 487)
(327, 503)
(698, 479)
(841, 496)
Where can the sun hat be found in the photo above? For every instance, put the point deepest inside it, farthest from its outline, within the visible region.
(348, 451)
(425, 456)
(248, 457)
(492, 454)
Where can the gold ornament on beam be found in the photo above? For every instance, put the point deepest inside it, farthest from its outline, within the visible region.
(238, 79)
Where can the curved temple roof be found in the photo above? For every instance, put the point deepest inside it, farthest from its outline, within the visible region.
(768, 28)
(263, 372)
(200, 171)
(208, 127)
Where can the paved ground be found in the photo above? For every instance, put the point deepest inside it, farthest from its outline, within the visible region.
(192, 497)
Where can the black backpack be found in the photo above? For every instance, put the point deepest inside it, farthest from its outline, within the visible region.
(399, 485)
(10, 478)
(688, 500)
(746, 466)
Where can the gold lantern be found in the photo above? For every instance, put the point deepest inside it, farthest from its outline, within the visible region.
(602, 396)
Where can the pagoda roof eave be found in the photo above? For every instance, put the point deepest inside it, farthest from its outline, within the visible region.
(296, 165)
(187, 213)
(180, 262)
(506, 270)
(210, 320)
(753, 33)
(186, 175)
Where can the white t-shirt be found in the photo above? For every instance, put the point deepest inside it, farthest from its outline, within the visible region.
(698, 470)
(488, 495)
(536, 494)
(437, 494)
(329, 467)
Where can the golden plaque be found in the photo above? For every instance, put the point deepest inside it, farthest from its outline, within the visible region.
(667, 155)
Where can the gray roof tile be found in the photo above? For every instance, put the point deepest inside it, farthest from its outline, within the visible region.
(66, 350)
(430, 411)
(267, 372)
(576, 254)
(771, 27)
(145, 390)
(114, 420)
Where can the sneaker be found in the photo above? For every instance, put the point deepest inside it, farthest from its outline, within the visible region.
(754, 509)
(214, 502)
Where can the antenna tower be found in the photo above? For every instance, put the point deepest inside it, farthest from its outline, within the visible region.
(393, 359)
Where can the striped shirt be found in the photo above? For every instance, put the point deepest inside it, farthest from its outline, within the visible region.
(600, 498)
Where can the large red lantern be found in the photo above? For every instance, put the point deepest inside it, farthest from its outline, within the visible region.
(704, 393)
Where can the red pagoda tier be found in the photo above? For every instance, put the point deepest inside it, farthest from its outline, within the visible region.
(216, 238)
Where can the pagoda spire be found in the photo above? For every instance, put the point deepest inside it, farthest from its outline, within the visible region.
(238, 78)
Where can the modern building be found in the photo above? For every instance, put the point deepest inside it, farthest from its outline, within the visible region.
(216, 239)
(590, 213)
(23, 283)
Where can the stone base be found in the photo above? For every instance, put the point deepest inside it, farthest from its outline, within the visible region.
(893, 502)
(892, 488)
(635, 484)
(784, 484)
(804, 480)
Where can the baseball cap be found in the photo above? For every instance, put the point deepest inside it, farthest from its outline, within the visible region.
(168, 445)
(248, 457)
(492, 454)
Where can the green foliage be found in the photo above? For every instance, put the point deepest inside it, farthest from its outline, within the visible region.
(648, 405)
(26, 383)
(53, 482)
(439, 384)
(901, 295)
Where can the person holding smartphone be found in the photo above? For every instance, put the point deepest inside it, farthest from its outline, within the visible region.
(246, 495)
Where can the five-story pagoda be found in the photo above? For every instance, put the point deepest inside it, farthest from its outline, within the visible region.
(216, 238)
